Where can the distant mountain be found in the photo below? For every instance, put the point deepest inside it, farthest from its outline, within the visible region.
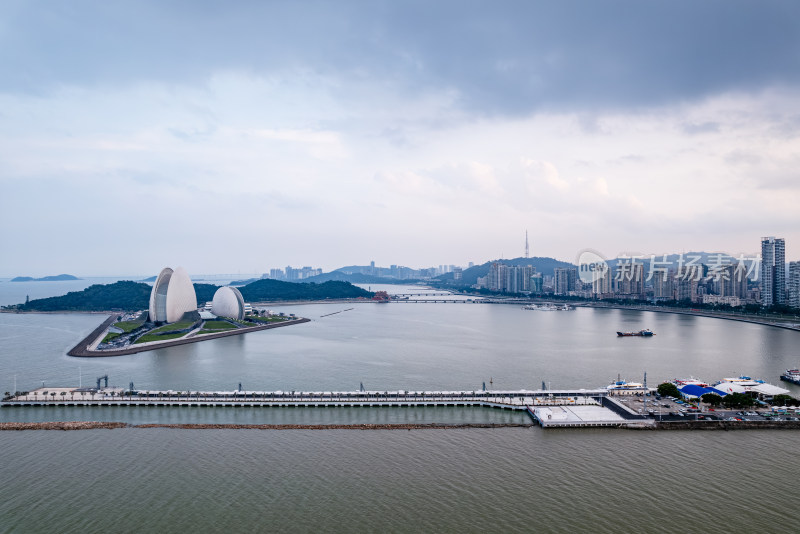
(55, 278)
(542, 265)
(356, 278)
(238, 283)
(151, 279)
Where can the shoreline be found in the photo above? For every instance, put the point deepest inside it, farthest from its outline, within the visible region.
(787, 325)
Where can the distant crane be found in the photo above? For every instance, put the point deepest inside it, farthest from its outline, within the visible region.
(99, 378)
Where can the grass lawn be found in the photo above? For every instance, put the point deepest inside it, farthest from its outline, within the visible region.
(164, 337)
(109, 337)
(272, 319)
(218, 325)
(180, 325)
(128, 326)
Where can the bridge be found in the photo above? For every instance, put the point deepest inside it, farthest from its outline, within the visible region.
(421, 294)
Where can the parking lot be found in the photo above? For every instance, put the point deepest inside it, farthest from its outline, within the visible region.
(669, 408)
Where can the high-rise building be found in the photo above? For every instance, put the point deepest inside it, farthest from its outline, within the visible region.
(733, 281)
(630, 279)
(687, 283)
(602, 285)
(662, 285)
(496, 276)
(773, 271)
(794, 284)
(564, 280)
(536, 283)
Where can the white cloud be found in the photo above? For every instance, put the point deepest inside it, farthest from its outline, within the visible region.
(373, 171)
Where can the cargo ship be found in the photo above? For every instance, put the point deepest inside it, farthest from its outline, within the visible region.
(791, 375)
(642, 333)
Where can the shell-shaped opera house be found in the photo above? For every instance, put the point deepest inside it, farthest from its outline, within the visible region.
(172, 296)
(228, 302)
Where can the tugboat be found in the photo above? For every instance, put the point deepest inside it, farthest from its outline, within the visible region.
(791, 375)
(641, 333)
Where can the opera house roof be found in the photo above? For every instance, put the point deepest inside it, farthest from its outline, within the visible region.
(172, 296)
(228, 302)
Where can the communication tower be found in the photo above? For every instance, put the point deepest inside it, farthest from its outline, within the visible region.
(527, 250)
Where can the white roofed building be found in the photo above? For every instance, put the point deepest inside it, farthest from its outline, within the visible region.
(228, 302)
(172, 296)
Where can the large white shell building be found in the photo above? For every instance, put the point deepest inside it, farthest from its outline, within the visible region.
(172, 296)
(228, 302)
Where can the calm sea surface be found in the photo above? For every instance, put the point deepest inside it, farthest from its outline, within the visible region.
(402, 481)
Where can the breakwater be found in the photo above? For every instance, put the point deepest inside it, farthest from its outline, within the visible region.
(725, 425)
(94, 425)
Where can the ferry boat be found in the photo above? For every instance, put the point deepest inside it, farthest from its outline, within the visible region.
(623, 387)
(641, 333)
(680, 382)
(791, 375)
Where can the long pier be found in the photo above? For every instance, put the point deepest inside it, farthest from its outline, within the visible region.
(549, 408)
(115, 396)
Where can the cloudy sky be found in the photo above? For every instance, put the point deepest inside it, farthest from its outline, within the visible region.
(235, 136)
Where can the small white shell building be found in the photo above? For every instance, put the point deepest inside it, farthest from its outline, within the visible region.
(172, 296)
(228, 302)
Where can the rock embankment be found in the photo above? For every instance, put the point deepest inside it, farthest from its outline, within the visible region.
(727, 425)
(365, 426)
(61, 425)
(91, 425)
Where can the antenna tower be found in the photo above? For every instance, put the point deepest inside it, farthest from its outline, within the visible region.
(527, 250)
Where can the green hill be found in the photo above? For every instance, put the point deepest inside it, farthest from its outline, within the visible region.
(125, 295)
(131, 296)
(542, 265)
(266, 290)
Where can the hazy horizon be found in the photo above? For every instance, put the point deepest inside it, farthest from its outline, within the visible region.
(240, 137)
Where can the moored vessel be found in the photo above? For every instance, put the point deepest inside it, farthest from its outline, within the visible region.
(791, 375)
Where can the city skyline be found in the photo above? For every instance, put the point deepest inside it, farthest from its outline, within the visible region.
(293, 133)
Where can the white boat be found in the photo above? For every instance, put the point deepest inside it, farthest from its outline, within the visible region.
(547, 307)
(623, 387)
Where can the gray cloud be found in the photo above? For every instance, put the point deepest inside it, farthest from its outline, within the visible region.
(516, 56)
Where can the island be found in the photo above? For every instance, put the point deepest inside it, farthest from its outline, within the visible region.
(175, 311)
(131, 296)
(53, 278)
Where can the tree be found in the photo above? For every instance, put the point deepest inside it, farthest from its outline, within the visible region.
(712, 398)
(668, 389)
(737, 400)
(784, 400)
